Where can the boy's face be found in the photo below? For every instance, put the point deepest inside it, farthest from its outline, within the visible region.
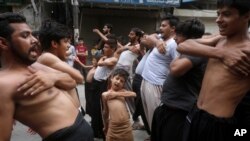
(62, 48)
(107, 50)
(117, 82)
(229, 21)
(80, 42)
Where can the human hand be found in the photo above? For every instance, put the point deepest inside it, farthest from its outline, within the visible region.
(96, 30)
(134, 49)
(76, 59)
(237, 60)
(31, 131)
(161, 47)
(37, 82)
(107, 95)
(14, 124)
(104, 57)
(111, 95)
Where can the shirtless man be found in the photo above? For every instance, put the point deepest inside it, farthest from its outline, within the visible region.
(55, 41)
(50, 113)
(221, 90)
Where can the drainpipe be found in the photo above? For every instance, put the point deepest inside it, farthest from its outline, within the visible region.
(75, 12)
(34, 7)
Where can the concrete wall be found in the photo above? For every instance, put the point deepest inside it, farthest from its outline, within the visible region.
(208, 17)
(33, 19)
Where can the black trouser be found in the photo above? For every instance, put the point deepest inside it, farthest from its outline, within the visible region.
(202, 126)
(136, 86)
(167, 124)
(89, 98)
(97, 124)
(242, 112)
(79, 131)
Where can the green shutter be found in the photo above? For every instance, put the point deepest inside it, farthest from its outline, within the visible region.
(13, 2)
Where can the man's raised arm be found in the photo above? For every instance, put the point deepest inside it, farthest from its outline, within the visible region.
(204, 47)
(43, 77)
(236, 59)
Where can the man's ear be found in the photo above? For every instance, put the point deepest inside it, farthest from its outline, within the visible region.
(3, 43)
(54, 44)
(173, 28)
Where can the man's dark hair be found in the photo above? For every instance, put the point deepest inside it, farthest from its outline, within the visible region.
(173, 20)
(109, 26)
(52, 31)
(243, 6)
(138, 32)
(120, 72)
(190, 29)
(5, 20)
(36, 34)
(112, 42)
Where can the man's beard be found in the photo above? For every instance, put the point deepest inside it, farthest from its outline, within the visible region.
(24, 58)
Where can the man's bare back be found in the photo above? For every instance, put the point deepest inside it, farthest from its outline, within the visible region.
(224, 89)
(38, 111)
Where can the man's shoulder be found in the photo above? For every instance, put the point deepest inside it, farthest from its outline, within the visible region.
(47, 58)
(10, 81)
(171, 43)
(47, 54)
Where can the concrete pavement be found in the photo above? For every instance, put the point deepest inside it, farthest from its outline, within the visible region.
(20, 131)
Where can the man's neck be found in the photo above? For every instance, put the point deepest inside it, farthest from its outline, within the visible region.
(238, 38)
(167, 38)
(13, 64)
(132, 43)
(109, 56)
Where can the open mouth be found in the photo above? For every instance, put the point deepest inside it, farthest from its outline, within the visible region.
(221, 28)
(34, 51)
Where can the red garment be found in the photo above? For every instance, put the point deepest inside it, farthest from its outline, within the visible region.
(81, 49)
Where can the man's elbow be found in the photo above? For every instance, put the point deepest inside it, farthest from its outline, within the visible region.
(180, 48)
(80, 79)
(175, 72)
(70, 85)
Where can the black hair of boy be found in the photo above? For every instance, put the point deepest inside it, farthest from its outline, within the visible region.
(190, 29)
(242, 6)
(112, 42)
(120, 72)
(52, 31)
